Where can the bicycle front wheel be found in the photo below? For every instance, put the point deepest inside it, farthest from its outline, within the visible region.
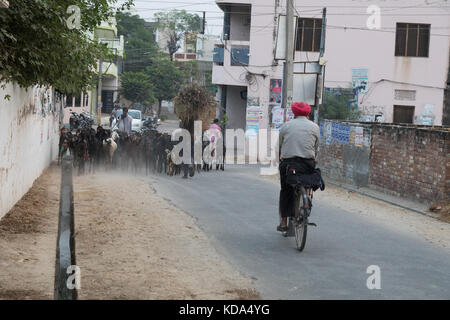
(301, 219)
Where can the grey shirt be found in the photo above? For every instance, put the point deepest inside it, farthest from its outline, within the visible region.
(299, 138)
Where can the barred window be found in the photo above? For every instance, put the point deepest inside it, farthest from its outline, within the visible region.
(309, 32)
(412, 40)
(407, 95)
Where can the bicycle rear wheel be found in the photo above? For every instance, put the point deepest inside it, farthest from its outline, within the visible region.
(301, 219)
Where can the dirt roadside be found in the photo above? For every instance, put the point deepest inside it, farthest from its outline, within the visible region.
(130, 244)
(28, 241)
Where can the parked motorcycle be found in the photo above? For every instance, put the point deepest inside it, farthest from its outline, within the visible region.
(74, 121)
(152, 123)
(80, 121)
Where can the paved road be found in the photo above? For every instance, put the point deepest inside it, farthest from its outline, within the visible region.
(238, 211)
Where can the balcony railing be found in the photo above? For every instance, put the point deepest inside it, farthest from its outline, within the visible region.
(232, 53)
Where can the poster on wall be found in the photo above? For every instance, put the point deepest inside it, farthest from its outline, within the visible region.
(276, 86)
(360, 80)
(252, 129)
(254, 114)
(340, 133)
(277, 115)
(277, 118)
(359, 136)
(427, 117)
(253, 101)
(289, 114)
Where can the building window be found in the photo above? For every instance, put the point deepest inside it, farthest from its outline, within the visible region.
(69, 101)
(78, 100)
(406, 95)
(412, 40)
(309, 32)
(403, 114)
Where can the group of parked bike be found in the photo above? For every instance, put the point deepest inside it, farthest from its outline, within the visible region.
(80, 121)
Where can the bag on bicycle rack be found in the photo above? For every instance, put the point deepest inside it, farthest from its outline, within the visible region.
(295, 174)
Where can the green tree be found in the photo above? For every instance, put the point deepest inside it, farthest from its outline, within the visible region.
(176, 23)
(336, 107)
(38, 47)
(166, 79)
(140, 45)
(137, 87)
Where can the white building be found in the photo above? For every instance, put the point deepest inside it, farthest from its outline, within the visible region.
(400, 65)
(106, 33)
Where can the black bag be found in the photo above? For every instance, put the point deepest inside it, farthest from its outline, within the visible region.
(296, 174)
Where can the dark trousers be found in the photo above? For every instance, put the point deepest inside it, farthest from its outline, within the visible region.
(187, 166)
(287, 192)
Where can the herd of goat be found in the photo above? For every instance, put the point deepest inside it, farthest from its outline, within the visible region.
(149, 148)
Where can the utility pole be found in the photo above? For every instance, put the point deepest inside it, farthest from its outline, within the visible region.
(322, 51)
(204, 22)
(446, 113)
(289, 65)
(99, 93)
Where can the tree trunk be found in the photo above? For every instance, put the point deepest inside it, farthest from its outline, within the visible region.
(159, 107)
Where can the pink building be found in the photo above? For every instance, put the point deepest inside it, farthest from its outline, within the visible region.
(395, 64)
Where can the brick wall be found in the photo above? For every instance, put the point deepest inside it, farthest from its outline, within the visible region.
(407, 161)
(411, 162)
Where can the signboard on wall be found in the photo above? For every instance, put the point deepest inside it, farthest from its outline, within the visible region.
(280, 51)
(360, 79)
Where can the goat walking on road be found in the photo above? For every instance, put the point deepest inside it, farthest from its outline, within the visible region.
(109, 148)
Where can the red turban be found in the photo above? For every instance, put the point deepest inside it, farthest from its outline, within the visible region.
(301, 109)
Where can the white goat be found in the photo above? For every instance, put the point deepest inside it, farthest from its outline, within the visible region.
(110, 146)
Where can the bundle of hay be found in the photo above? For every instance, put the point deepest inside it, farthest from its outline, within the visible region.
(193, 103)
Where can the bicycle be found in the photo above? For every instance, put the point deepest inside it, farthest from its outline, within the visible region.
(298, 225)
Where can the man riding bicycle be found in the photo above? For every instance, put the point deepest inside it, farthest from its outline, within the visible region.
(299, 143)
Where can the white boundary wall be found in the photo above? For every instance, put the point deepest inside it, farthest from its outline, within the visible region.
(29, 125)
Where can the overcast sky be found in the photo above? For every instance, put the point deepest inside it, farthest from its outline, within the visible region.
(214, 16)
